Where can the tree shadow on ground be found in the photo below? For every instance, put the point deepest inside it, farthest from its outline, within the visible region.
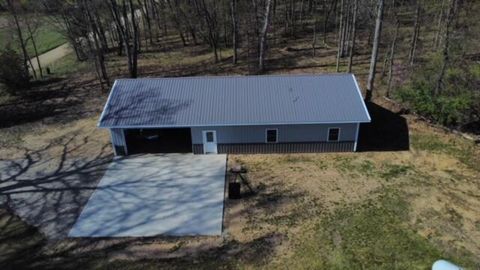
(49, 192)
(388, 131)
(58, 101)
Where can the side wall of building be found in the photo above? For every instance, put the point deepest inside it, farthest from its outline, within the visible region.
(252, 139)
(291, 138)
(286, 133)
(118, 141)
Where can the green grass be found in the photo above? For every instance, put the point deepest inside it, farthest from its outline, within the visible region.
(68, 65)
(461, 149)
(47, 37)
(392, 171)
(370, 235)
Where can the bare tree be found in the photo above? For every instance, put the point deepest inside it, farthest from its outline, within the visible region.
(233, 7)
(263, 37)
(95, 46)
(209, 17)
(122, 18)
(446, 45)
(31, 34)
(328, 10)
(12, 9)
(392, 57)
(340, 36)
(416, 32)
(315, 22)
(376, 42)
(441, 15)
(354, 30)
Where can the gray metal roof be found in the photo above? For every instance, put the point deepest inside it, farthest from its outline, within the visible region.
(234, 100)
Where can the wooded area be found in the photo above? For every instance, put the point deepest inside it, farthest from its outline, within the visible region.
(423, 53)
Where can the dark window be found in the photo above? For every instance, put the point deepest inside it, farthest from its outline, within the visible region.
(209, 136)
(272, 136)
(333, 134)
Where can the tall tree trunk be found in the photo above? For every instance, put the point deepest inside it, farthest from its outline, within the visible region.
(354, 30)
(12, 10)
(211, 27)
(156, 18)
(148, 20)
(315, 22)
(133, 73)
(346, 27)
(301, 13)
(35, 49)
(392, 58)
(175, 20)
(376, 42)
(126, 35)
(340, 37)
(233, 6)
(292, 17)
(98, 49)
(416, 31)
(436, 39)
(263, 37)
(446, 46)
(326, 16)
(100, 31)
(285, 19)
(92, 51)
(72, 39)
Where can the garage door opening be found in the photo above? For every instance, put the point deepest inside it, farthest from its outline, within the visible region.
(163, 140)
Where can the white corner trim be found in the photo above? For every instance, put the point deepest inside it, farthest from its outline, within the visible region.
(356, 138)
(111, 140)
(106, 104)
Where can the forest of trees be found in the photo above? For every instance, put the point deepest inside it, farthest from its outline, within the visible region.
(423, 53)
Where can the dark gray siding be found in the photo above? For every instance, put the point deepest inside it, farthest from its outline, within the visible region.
(269, 148)
(286, 133)
(118, 140)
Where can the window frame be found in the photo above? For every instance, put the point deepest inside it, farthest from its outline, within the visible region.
(266, 135)
(205, 136)
(338, 137)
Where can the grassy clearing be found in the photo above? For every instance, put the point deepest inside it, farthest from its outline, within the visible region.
(465, 151)
(370, 235)
(68, 65)
(47, 37)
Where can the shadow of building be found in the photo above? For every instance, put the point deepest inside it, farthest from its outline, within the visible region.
(388, 131)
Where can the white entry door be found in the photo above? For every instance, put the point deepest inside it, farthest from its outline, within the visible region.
(210, 142)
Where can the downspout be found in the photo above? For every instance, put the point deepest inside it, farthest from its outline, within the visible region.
(356, 138)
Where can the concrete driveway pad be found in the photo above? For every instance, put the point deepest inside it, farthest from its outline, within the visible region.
(148, 195)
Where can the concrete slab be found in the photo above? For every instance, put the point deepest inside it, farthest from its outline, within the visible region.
(148, 195)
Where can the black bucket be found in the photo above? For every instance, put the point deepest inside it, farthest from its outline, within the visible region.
(234, 190)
